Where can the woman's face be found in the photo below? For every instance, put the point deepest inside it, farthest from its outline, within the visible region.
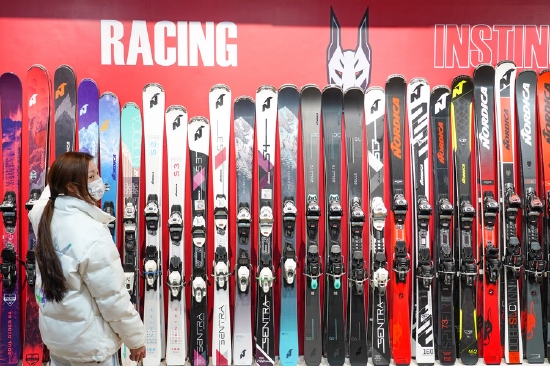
(93, 173)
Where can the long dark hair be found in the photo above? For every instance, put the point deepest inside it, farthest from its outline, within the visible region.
(68, 176)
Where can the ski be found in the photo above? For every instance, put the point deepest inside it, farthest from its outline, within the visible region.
(199, 140)
(374, 104)
(38, 116)
(131, 136)
(176, 148)
(543, 99)
(11, 94)
(64, 86)
(88, 117)
(310, 108)
(418, 99)
(461, 120)
(534, 264)
(443, 239)
(109, 141)
(505, 77)
(484, 76)
(153, 305)
(357, 275)
(400, 326)
(334, 325)
(220, 126)
(244, 111)
(288, 109)
(375, 107)
(266, 126)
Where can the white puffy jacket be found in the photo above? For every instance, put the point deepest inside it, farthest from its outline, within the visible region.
(95, 315)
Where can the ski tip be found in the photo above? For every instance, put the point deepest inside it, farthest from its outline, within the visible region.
(176, 107)
(38, 66)
(483, 66)
(266, 87)
(527, 72)
(65, 67)
(109, 94)
(417, 80)
(310, 87)
(440, 87)
(353, 90)
(87, 80)
(506, 63)
(459, 78)
(545, 71)
(374, 89)
(288, 86)
(130, 105)
(153, 85)
(396, 77)
(244, 98)
(10, 75)
(198, 119)
(332, 87)
(220, 86)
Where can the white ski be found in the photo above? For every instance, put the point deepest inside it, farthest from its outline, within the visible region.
(220, 123)
(153, 311)
(176, 146)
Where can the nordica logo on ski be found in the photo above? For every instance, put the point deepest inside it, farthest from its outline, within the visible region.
(177, 122)
(83, 110)
(32, 100)
(441, 142)
(395, 144)
(349, 67)
(267, 104)
(526, 130)
(198, 133)
(154, 100)
(507, 129)
(505, 83)
(191, 43)
(60, 90)
(441, 103)
(484, 135)
(546, 131)
(219, 101)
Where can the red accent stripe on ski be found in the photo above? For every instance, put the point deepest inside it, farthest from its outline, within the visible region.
(220, 158)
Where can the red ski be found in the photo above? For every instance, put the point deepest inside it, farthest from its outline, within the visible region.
(38, 96)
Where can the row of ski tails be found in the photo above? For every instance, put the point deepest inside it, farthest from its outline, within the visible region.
(463, 187)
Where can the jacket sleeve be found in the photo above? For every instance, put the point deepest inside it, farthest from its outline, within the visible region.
(101, 270)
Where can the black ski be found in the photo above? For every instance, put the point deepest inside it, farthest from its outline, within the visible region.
(356, 319)
(443, 237)
(199, 141)
(505, 78)
(311, 114)
(418, 99)
(374, 118)
(335, 343)
(461, 118)
(534, 264)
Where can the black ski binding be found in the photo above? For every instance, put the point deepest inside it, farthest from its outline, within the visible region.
(8, 267)
(8, 208)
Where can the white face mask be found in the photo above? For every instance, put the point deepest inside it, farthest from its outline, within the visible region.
(96, 189)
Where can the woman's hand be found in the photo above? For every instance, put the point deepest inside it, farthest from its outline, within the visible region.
(137, 354)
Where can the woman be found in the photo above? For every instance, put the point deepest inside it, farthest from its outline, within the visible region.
(85, 309)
